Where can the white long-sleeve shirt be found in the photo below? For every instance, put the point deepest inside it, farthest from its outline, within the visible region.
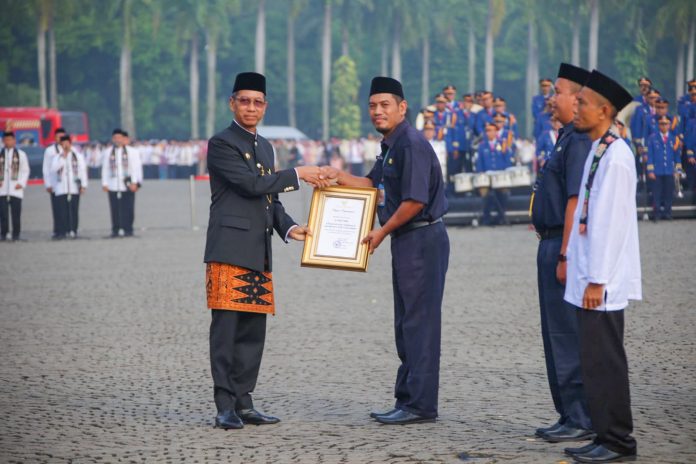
(66, 180)
(114, 179)
(8, 185)
(49, 177)
(608, 252)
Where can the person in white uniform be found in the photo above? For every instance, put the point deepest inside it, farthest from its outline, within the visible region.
(122, 174)
(13, 179)
(70, 171)
(48, 177)
(604, 269)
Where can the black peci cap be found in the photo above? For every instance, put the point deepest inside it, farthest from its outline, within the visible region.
(8, 133)
(116, 131)
(381, 84)
(573, 73)
(250, 81)
(65, 138)
(609, 89)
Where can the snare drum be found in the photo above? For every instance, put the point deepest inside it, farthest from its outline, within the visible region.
(520, 176)
(481, 180)
(463, 182)
(501, 179)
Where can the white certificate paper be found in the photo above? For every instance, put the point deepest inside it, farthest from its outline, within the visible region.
(339, 230)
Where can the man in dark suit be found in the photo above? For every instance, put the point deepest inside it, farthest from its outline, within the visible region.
(244, 212)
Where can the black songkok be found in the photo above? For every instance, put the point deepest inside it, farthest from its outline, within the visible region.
(250, 81)
(573, 73)
(609, 89)
(382, 84)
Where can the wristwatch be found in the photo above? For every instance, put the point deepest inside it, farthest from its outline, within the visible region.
(562, 258)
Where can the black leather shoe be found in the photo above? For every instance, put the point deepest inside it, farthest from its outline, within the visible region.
(228, 420)
(253, 417)
(542, 430)
(374, 415)
(566, 433)
(602, 454)
(580, 450)
(401, 417)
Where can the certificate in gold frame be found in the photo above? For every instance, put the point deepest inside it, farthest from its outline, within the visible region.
(340, 217)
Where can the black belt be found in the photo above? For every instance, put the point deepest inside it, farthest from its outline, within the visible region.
(550, 233)
(413, 226)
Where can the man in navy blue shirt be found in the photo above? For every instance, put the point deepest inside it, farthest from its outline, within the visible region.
(410, 181)
(553, 204)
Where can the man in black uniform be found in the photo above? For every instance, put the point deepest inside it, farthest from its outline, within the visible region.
(412, 204)
(244, 211)
(553, 204)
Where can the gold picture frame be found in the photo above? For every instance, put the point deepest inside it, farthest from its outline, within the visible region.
(340, 217)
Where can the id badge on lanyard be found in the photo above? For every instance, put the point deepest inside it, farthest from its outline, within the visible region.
(381, 200)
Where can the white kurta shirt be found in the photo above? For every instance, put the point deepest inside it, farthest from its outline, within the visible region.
(7, 186)
(114, 179)
(49, 177)
(66, 180)
(608, 253)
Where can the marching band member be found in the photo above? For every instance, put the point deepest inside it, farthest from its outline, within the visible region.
(664, 162)
(493, 156)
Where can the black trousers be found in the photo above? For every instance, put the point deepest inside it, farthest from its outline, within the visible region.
(663, 196)
(559, 332)
(236, 347)
(122, 211)
(53, 213)
(496, 199)
(67, 214)
(419, 264)
(605, 376)
(10, 206)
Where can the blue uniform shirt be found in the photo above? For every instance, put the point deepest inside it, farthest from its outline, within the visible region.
(542, 124)
(650, 127)
(497, 158)
(663, 156)
(482, 118)
(409, 170)
(538, 104)
(559, 179)
(545, 146)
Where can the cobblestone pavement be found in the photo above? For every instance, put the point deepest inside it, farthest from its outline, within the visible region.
(104, 349)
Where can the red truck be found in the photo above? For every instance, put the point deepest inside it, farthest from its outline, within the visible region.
(35, 125)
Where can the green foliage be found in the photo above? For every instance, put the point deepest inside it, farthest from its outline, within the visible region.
(345, 114)
(632, 61)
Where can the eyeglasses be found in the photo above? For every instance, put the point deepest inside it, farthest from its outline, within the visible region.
(246, 101)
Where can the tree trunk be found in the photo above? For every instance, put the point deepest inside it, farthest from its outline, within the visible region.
(385, 58)
(472, 59)
(126, 81)
(41, 57)
(489, 48)
(575, 46)
(211, 65)
(345, 51)
(532, 70)
(292, 116)
(425, 89)
(194, 88)
(679, 78)
(261, 38)
(594, 34)
(690, 50)
(52, 66)
(326, 71)
(396, 49)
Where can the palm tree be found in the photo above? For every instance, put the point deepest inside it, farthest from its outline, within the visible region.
(494, 19)
(43, 9)
(594, 34)
(575, 41)
(260, 62)
(296, 6)
(678, 19)
(326, 70)
(52, 74)
(126, 71)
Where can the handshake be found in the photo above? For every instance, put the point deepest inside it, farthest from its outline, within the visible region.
(318, 177)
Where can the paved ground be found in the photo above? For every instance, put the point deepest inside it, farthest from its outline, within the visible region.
(104, 354)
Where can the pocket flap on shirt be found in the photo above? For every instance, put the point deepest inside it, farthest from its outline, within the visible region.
(237, 222)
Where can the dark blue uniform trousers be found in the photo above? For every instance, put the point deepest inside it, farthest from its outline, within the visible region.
(663, 195)
(559, 331)
(419, 263)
